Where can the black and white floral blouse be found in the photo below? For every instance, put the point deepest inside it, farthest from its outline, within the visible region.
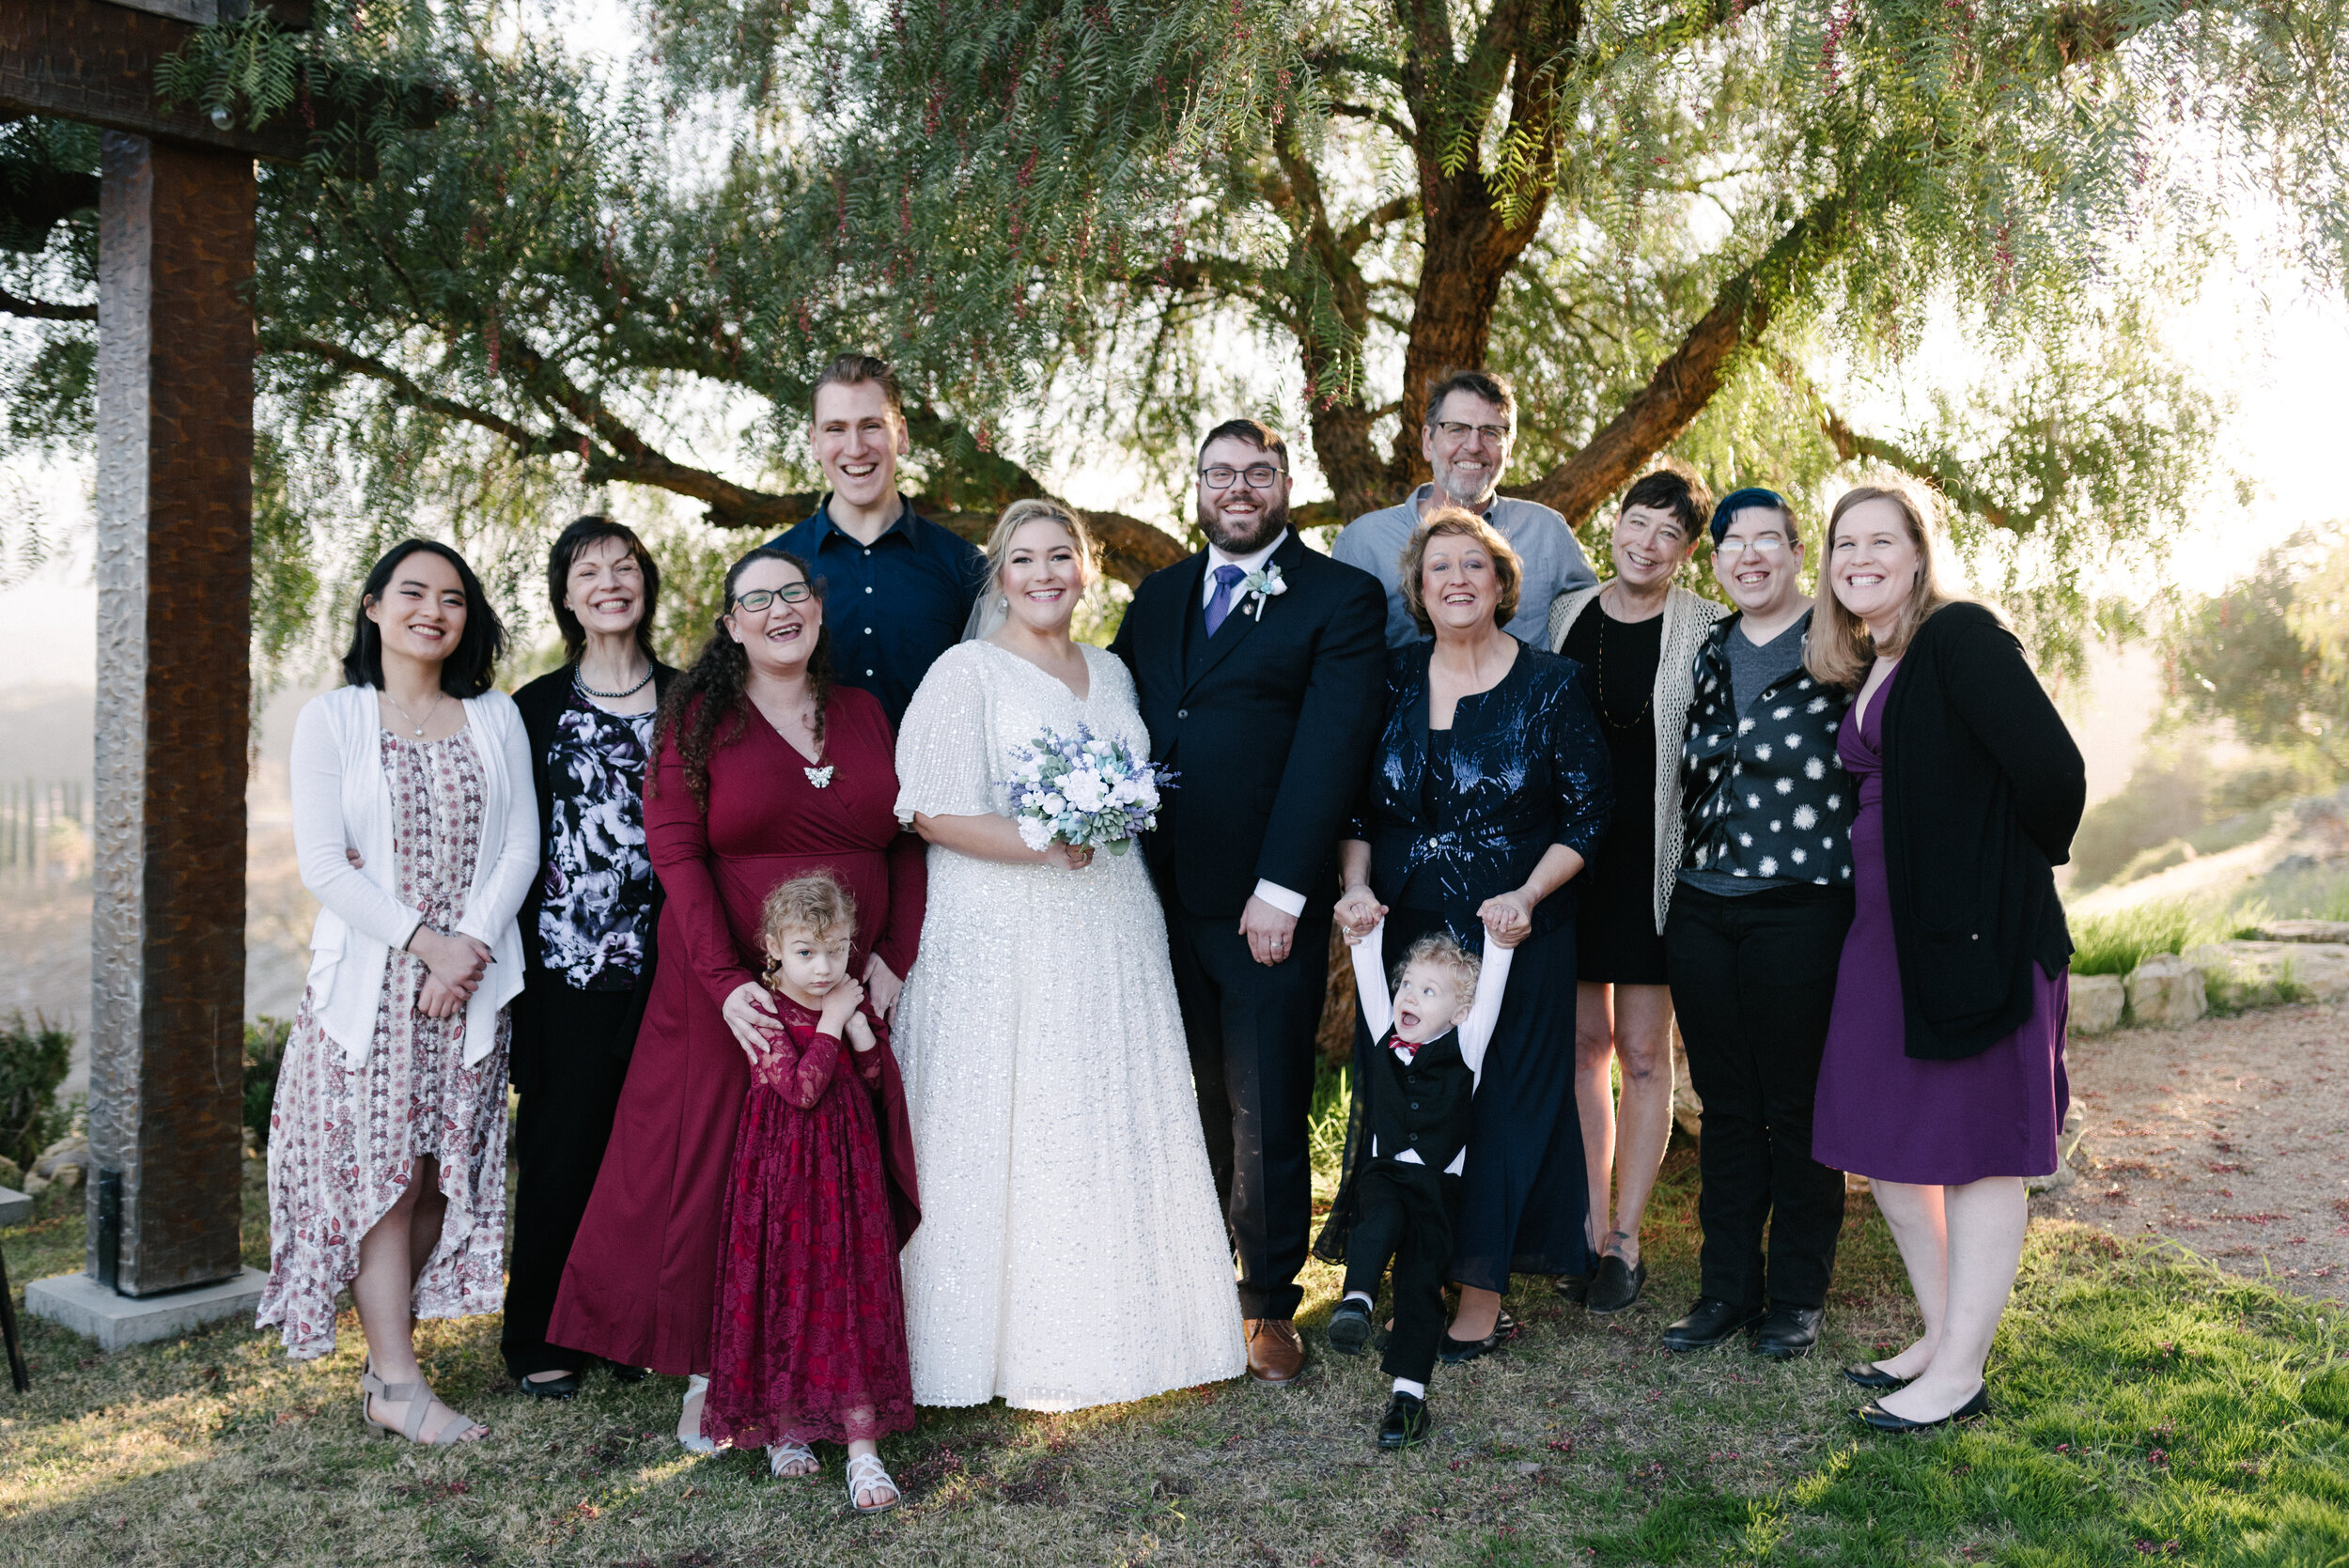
(597, 888)
(1765, 797)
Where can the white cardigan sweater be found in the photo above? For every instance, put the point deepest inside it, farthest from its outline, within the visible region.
(1687, 619)
(340, 799)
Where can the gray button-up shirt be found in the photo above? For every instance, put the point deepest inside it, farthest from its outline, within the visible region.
(1553, 560)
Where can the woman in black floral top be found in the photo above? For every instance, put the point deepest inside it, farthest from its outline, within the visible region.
(587, 927)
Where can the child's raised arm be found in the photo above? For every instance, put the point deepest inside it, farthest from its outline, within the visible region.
(1492, 983)
(1370, 979)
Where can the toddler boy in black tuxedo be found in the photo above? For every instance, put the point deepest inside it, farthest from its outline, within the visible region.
(1402, 1195)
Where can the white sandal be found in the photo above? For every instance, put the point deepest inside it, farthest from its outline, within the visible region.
(780, 1454)
(867, 1474)
(696, 1387)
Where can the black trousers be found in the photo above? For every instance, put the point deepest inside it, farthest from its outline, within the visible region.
(571, 1056)
(1754, 982)
(1404, 1212)
(1250, 1030)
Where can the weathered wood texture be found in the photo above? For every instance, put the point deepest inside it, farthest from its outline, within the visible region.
(174, 576)
(95, 61)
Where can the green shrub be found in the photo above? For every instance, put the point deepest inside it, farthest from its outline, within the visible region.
(264, 1054)
(32, 1061)
(2117, 942)
(2160, 858)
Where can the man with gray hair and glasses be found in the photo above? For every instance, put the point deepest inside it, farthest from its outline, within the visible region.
(1472, 423)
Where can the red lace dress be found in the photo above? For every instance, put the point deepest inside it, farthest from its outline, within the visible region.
(809, 1340)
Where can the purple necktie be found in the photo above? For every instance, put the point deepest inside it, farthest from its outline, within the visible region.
(1219, 602)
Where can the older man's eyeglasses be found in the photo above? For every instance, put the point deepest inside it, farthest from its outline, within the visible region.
(1452, 429)
(1764, 548)
(1259, 476)
(759, 598)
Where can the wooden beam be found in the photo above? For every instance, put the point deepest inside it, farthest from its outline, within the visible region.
(94, 61)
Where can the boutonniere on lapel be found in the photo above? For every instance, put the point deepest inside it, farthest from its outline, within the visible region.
(1262, 584)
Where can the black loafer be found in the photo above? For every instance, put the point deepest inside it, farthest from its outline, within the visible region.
(1615, 1286)
(627, 1375)
(1453, 1352)
(1788, 1332)
(1349, 1328)
(550, 1388)
(1867, 1374)
(1407, 1422)
(1878, 1419)
(1574, 1287)
(1710, 1324)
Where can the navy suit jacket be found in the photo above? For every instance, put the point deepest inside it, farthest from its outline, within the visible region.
(1270, 723)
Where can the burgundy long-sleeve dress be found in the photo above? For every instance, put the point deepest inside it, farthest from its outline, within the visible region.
(640, 1286)
(809, 1344)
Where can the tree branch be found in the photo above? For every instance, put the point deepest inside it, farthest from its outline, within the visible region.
(1851, 445)
(1357, 234)
(1376, 116)
(42, 310)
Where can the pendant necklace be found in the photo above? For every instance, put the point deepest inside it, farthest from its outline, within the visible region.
(437, 698)
(1599, 608)
(577, 681)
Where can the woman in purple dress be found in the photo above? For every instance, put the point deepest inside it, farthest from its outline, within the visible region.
(1942, 1080)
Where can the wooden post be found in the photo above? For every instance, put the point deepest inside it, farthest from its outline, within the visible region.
(175, 576)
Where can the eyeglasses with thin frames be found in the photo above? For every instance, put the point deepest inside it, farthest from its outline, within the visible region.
(1260, 477)
(1766, 546)
(1452, 429)
(759, 598)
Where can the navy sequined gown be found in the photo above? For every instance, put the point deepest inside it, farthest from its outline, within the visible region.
(1454, 817)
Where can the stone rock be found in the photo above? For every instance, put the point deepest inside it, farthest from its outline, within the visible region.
(2166, 992)
(35, 1185)
(2067, 1146)
(2096, 1003)
(2321, 968)
(11, 1174)
(71, 1150)
(2302, 931)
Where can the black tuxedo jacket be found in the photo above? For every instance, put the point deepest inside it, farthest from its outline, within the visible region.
(1270, 723)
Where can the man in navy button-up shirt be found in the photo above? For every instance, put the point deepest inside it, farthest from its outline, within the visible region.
(899, 588)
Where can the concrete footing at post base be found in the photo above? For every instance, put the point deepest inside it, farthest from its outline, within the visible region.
(78, 1302)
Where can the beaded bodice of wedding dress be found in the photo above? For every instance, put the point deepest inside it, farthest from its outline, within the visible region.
(1070, 1252)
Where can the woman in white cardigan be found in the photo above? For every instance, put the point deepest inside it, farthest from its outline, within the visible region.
(416, 828)
(1636, 638)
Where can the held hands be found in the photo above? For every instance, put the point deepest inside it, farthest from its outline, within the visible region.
(747, 1013)
(1359, 911)
(436, 1001)
(457, 961)
(1067, 857)
(1509, 916)
(1270, 932)
(840, 1005)
(882, 984)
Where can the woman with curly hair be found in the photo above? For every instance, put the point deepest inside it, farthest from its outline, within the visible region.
(762, 770)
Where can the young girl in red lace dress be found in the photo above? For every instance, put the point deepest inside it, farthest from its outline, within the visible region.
(809, 1343)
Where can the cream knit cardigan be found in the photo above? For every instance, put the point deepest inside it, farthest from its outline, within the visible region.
(1688, 617)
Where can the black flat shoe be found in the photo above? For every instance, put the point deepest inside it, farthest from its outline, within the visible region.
(627, 1374)
(1867, 1374)
(1349, 1328)
(550, 1388)
(1407, 1422)
(1710, 1324)
(1615, 1286)
(1453, 1352)
(1878, 1419)
(1788, 1332)
(1574, 1287)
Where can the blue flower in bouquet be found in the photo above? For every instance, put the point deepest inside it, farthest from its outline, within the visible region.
(1087, 790)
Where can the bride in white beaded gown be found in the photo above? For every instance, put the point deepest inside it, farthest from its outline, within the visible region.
(1071, 1252)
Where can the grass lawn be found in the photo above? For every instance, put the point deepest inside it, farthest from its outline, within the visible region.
(2146, 1408)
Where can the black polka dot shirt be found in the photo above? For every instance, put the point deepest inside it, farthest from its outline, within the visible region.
(1765, 796)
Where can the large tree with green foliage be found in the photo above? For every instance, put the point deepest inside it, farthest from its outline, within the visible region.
(1684, 226)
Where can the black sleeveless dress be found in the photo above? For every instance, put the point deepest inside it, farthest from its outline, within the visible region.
(1616, 941)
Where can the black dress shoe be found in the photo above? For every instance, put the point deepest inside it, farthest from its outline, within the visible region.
(1710, 1323)
(1878, 1419)
(1453, 1352)
(627, 1374)
(1788, 1332)
(1574, 1287)
(1867, 1374)
(1349, 1328)
(1615, 1285)
(1407, 1422)
(550, 1388)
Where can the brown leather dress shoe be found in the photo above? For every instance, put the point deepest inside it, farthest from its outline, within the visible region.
(1276, 1352)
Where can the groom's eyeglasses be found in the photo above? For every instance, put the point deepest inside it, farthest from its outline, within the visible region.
(759, 598)
(1259, 476)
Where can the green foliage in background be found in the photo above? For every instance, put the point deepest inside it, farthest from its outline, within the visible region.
(2117, 942)
(264, 1054)
(2270, 654)
(34, 1059)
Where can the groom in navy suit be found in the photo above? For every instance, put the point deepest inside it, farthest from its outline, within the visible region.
(1260, 663)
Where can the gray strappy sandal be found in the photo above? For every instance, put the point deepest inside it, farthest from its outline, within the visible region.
(418, 1399)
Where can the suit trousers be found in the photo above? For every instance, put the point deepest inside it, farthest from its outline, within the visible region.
(571, 1055)
(1404, 1212)
(1753, 983)
(1251, 1030)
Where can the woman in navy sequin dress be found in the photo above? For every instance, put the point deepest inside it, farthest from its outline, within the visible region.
(1488, 788)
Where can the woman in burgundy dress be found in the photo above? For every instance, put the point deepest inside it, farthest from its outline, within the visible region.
(764, 770)
(1942, 1079)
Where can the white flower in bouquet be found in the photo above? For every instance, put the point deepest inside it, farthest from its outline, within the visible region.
(1086, 790)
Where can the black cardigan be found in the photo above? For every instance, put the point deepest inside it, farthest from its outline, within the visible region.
(543, 702)
(1982, 790)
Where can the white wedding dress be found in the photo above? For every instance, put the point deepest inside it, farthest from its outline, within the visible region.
(1070, 1252)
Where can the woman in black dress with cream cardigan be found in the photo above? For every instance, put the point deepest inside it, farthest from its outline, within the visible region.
(1636, 638)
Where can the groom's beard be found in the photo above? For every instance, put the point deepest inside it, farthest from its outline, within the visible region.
(1243, 535)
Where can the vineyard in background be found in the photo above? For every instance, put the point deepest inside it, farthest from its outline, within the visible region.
(44, 830)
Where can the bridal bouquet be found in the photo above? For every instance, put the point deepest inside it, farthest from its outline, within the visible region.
(1084, 789)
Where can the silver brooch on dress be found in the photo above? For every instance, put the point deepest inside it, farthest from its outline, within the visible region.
(819, 777)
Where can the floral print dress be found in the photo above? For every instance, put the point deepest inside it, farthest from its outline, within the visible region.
(343, 1140)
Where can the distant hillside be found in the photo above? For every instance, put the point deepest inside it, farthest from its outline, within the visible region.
(45, 733)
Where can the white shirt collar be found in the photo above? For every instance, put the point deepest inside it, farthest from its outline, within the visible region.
(1219, 556)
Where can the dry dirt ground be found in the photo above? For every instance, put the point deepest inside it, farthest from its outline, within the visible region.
(2229, 1136)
